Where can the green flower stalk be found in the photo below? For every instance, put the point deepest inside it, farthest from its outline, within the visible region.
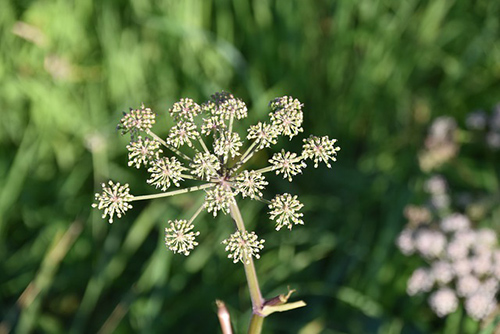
(204, 146)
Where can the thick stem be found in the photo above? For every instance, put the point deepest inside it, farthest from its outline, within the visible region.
(251, 275)
(253, 286)
(255, 324)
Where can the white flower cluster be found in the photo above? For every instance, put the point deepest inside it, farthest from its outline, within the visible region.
(207, 148)
(114, 198)
(443, 142)
(462, 253)
(242, 246)
(143, 152)
(137, 120)
(179, 237)
(463, 263)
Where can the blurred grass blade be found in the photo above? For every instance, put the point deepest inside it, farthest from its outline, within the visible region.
(26, 304)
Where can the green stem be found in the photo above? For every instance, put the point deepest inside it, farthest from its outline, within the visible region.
(251, 275)
(265, 169)
(189, 177)
(164, 143)
(202, 143)
(246, 156)
(231, 123)
(202, 206)
(172, 193)
(255, 324)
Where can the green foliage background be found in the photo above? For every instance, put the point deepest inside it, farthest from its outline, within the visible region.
(371, 73)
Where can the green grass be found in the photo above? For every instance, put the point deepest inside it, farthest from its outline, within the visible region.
(371, 73)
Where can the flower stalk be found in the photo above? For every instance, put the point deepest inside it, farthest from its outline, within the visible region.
(172, 193)
(250, 273)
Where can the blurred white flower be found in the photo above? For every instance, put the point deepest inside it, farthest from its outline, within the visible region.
(420, 281)
(443, 302)
(480, 305)
(455, 222)
(430, 243)
(405, 242)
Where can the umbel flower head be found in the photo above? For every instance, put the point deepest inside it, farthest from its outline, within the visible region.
(243, 245)
(137, 120)
(206, 148)
(179, 236)
(143, 152)
(114, 198)
(285, 211)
